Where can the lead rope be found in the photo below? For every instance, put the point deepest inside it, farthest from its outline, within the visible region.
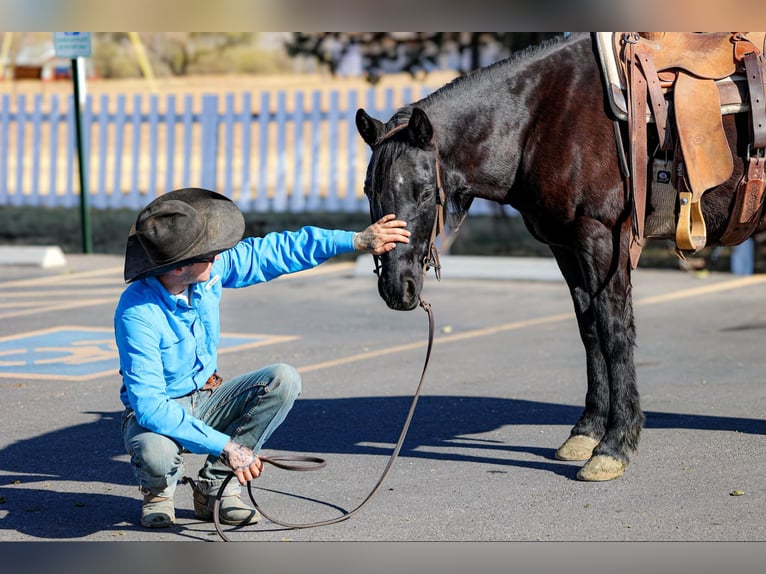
(431, 261)
(317, 463)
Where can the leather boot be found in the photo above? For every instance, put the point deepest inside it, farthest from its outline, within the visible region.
(232, 510)
(157, 511)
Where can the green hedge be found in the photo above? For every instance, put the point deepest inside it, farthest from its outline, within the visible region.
(480, 235)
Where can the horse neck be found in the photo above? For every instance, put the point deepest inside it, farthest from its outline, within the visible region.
(484, 120)
(471, 148)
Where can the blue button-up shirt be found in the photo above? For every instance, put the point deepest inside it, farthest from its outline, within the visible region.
(168, 347)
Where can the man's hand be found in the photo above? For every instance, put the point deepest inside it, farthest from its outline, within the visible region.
(243, 461)
(382, 236)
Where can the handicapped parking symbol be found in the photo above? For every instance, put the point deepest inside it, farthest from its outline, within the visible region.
(79, 353)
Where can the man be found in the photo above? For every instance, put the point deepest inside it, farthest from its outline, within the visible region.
(184, 248)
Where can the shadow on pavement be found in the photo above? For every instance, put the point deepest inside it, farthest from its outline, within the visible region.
(86, 454)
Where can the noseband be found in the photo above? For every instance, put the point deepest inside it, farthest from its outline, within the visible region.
(431, 260)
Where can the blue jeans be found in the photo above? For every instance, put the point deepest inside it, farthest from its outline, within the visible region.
(249, 408)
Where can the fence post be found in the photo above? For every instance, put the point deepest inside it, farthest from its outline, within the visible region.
(264, 118)
(5, 123)
(209, 137)
(297, 197)
(246, 119)
(351, 202)
(21, 120)
(82, 158)
(279, 203)
(333, 118)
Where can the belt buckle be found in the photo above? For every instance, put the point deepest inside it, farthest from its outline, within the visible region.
(212, 383)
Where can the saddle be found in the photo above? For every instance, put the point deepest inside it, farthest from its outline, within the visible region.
(684, 83)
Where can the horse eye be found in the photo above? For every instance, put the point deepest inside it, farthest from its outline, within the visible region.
(426, 194)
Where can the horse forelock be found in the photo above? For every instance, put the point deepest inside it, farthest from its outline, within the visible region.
(392, 143)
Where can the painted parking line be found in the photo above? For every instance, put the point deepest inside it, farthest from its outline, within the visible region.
(68, 353)
(75, 353)
(76, 278)
(690, 293)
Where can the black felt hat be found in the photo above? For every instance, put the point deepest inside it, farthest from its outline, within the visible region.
(179, 227)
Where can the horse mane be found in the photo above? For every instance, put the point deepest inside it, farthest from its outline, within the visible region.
(459, 202)
(502, 68)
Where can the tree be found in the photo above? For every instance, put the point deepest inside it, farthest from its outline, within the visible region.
(182, 51)
(415, 53)
(170, 53)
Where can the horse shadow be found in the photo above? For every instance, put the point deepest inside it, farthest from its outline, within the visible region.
(92, 456)
(371, 425)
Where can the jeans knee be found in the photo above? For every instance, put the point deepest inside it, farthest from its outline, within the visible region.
(289, 380)
(157, 458)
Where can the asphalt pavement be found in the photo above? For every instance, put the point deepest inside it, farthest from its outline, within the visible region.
(505, 384)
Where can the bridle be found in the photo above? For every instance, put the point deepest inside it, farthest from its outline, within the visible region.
(306, 463)
(431, 260)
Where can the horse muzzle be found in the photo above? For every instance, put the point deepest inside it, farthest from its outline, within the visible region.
(400, 292)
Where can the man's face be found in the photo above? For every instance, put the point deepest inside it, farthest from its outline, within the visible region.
(198, 272)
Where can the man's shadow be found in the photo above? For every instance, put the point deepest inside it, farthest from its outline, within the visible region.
(85, 454)
(88, 454)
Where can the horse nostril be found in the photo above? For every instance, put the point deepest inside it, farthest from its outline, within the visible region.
(410, 290)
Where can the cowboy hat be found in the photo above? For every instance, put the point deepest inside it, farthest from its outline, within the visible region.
(180, 227)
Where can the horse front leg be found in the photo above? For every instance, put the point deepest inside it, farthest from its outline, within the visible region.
(612, 421)
(590, 427)
(617, 335)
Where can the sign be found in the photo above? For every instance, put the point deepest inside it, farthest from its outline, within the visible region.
(76, 353)
(72, 45)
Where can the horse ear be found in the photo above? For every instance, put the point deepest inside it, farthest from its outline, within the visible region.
(420, 129)
(369, 128)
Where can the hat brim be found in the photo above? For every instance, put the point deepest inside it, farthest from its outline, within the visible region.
(225, 228)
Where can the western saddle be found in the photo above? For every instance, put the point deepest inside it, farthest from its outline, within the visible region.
(684, 83)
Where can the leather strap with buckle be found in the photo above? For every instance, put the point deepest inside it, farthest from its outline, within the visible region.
(212, 383)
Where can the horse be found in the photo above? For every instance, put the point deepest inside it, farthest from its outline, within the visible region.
(535, 131)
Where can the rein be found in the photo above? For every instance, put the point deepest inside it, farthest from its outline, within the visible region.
(316, 463)
(431, 260)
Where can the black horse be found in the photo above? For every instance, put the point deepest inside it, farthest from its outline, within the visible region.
(535, 132)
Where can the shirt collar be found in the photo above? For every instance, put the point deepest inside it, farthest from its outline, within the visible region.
(170, 300)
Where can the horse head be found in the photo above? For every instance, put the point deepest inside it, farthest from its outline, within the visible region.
(402, 179)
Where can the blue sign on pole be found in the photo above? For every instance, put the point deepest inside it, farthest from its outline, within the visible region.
(72, 44)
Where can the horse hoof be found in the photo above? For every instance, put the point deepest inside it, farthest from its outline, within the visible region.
(578, 447)
(601, 467)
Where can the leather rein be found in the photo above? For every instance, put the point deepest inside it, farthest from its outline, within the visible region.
(307, 463)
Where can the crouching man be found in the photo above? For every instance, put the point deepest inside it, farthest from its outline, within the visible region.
(185, 247)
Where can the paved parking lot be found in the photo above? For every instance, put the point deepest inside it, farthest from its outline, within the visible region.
(506, 382)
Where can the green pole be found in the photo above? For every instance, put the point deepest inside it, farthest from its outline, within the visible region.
(87, 244)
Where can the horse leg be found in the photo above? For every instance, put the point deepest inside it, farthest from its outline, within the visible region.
(605, 301)
(587, 433)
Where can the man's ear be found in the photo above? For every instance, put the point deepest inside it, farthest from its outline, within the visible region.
(178, 271)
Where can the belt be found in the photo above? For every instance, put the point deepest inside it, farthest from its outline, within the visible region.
(212, 383)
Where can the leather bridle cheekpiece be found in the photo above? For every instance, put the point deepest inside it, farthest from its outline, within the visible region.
(431, 260)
